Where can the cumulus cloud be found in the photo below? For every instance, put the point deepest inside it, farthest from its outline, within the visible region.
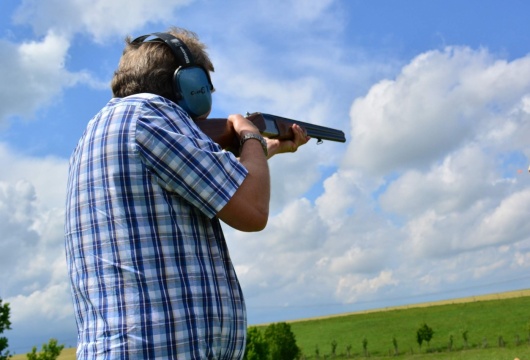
(29, 73)
(46, 175)
(445, 135)
(34, 74)
(289, 244)
(40, 315)
(428, 197)
(506, 223)
(470, 195)
(99, 18)
(440, 101)
(459, 181)
(33, 275)
(351, 287)
(18, 238)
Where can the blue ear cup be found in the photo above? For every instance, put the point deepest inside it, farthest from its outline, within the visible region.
(193, 90)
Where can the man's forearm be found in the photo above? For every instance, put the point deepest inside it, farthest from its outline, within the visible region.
(258, 178)
(248, 209)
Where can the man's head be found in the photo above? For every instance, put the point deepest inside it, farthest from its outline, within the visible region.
(151, 66)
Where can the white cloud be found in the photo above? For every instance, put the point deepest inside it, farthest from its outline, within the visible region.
(31, 207)
(352, 287)
(440, 101)
(43, 304)
(100, 18)
(33, 276)
(34, 74)
(486, 224)
(44, 313)
(507, 223)
(357, 260)
(292, 240)
(522, 258)
(343, 190)
(398, 221)
(46, 174)
(459, 181)
(18, 239)
(445, 139)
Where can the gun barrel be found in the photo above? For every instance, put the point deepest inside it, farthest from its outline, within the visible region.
(324, 133)
(315, 131)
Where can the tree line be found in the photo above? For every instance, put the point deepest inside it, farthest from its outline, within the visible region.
(49, 351)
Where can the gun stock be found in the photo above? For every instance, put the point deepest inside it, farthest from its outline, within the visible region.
(270, 126)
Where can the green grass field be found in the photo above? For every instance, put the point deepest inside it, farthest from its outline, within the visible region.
(486, 318)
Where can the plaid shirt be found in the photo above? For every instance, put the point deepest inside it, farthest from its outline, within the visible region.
(150, 271)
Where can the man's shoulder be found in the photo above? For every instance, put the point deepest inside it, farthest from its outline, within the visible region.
(143, 105)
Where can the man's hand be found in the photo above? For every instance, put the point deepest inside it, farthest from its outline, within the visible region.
(276, 146)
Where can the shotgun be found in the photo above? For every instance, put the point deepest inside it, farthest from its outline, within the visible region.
(270, 126)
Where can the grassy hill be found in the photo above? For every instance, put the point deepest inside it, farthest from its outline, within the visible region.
(485, 318)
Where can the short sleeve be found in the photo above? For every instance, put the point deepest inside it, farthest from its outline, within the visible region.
(185, 160)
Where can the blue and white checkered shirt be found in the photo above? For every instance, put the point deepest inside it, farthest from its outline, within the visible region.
(150, 271)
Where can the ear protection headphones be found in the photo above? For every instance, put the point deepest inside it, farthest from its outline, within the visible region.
(191, 82)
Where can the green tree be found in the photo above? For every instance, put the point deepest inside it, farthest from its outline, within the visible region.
(419, 338)
(49, 351)
(5, 324)
(348, 350)
(257, 347)
(424, 333)
(333, 347)
(465, 337)
(281, 341)
(365, 347)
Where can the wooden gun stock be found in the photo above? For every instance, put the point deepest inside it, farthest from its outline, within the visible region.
(270, 126)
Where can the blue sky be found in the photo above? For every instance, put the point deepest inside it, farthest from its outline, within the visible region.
(427, 200)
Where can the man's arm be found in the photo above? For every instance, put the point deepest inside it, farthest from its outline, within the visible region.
(248, 209)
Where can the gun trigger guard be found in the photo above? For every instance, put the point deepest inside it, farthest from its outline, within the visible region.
(319, 141)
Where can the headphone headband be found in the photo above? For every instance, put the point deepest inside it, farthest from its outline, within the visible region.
(179, 49)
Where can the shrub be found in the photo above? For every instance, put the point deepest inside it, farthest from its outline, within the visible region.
(424, 333)
(281, 342)
(257, 348)
(50, 351)
(5, 324)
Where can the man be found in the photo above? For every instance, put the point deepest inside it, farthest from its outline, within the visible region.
(150, 271)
